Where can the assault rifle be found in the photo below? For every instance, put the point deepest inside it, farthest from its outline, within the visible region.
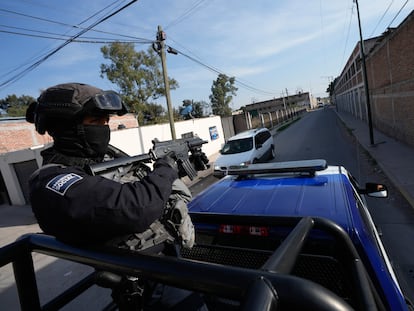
(190, 158)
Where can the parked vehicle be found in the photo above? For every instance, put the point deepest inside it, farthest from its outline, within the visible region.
(251, 146)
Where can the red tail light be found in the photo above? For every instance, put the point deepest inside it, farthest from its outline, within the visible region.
(244, 230)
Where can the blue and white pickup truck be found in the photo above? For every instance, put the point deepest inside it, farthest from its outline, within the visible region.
(271, 236)
(311, 220)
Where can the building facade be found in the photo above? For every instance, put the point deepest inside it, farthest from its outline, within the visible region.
(390, 71)
(280, 104)
(272, 112)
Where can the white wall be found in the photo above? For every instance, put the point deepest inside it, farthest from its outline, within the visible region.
(139, 140)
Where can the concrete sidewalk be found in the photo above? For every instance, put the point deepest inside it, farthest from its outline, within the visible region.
(396, 159)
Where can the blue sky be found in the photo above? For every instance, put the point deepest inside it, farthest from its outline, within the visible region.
(269, 46)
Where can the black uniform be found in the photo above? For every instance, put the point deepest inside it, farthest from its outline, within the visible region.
(76, 207)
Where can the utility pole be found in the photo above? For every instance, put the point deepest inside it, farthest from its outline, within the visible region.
(161, 52)
(364, 71)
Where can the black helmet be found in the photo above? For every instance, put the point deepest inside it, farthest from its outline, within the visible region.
(69, 102)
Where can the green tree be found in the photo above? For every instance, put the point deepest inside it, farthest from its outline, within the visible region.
(198, 109)
(154, 114)
(16, 105)
(221, 95)
(138, 74)
(176, 114)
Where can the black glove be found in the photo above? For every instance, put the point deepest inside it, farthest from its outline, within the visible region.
(170, 159)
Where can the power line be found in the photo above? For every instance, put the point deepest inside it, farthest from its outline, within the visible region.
(398, 13)
(382, 17)
(34, 58)
(57, 22)
(34, 17)
(100, 11)
(215, 70)
(186, 14)
(68, 25)
(28, 69)
(61, 24)
(56, 36)
(89, 39)
(347, 35)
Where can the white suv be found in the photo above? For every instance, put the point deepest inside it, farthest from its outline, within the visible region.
(248, 147)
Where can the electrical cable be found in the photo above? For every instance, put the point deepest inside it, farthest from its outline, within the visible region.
(382, 17)
(68, 25)
(54, 51)
(90, 39)
(398, 13)
(215, 70)
(237, 81)
(139, 40)
(100, 11)
(186, 14)
(56, 36)
(347, 36)
(32, 59)
(33, 17)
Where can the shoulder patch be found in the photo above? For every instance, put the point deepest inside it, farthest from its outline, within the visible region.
(61, 183)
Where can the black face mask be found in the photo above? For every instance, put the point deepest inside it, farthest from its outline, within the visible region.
(97, 137)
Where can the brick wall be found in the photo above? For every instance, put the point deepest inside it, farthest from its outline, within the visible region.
(390, 68)
(390, 71)
(17, 134)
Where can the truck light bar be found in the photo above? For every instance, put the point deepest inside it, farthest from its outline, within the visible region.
(305, 166)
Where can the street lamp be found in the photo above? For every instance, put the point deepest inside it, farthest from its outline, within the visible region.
(364, 71)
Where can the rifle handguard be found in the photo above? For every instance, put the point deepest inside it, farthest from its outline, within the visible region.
(187, 164)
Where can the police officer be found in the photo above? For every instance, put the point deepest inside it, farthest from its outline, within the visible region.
(72, 205)
(83, 209)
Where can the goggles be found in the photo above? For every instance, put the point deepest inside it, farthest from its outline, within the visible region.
(109, 102)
